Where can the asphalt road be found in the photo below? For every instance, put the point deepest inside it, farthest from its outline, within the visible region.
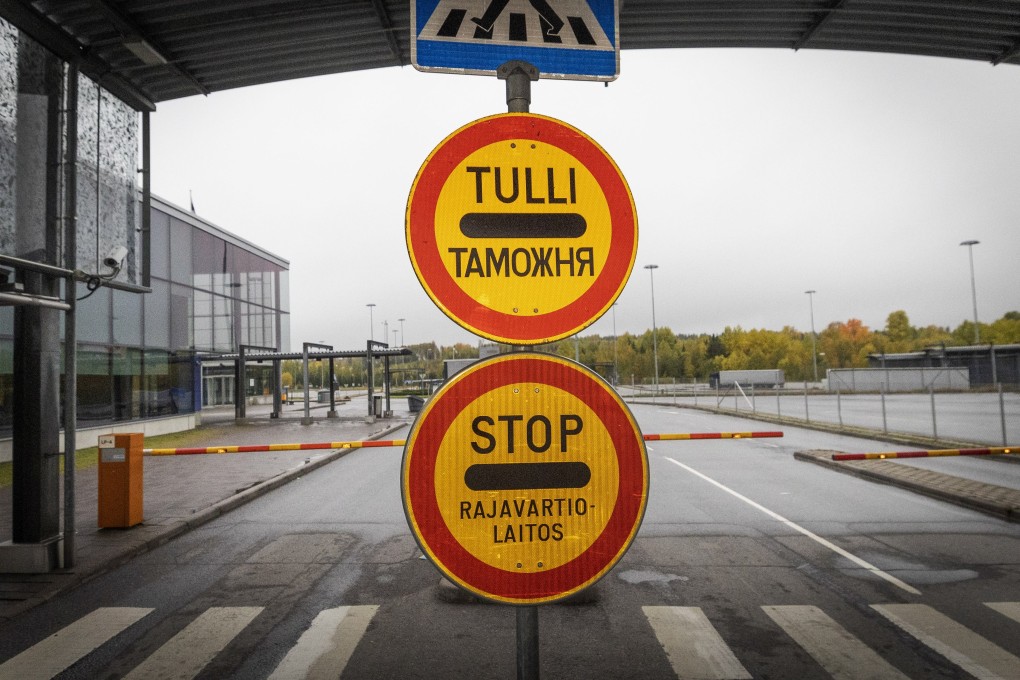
(748, 564)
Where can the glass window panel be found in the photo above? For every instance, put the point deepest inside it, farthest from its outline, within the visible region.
(127, 381)
(157, 315)
(182, 334)
(95, 393)
(284, 288)
(223, 324)
(203, 319)
(209, 256)
(159, 242)
(183, 368)
(93, 315)
(180, 251)
(126, 361)
(284, 332)
(155, 394)
(127, 318)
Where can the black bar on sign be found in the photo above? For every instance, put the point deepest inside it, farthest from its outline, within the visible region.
(523, 225)
(519, 476)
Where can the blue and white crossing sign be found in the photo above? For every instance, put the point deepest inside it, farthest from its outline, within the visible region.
(568, 39)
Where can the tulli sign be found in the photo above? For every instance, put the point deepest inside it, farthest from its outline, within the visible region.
(521, 228)
(525, 478)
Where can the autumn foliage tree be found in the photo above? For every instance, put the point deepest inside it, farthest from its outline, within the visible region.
(692, 358)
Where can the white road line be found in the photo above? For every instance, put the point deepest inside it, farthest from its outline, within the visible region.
(325, 648)
(188, 652)
(981, 658)
(841, 654)
(694, 647)
(1010, 609)
(71, 643)
(796, 527)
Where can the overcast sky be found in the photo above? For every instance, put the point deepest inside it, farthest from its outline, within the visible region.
(757, 175)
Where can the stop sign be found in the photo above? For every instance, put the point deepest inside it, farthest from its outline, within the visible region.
(525, 478)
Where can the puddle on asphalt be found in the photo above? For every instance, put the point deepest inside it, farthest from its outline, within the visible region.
(636, 576)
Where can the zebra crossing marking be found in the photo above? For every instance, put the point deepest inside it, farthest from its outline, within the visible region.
(64, 648)
(973, 653)
(1010, 609)
(835, 649)
(188, 652)
(694, 647)
(324, 649)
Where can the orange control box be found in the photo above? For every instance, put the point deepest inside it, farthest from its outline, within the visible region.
(120, 480)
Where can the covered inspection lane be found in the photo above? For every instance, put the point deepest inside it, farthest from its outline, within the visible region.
(311, 351)
(148, 51)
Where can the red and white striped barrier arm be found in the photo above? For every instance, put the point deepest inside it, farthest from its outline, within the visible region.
(993, 451)
(253, 448)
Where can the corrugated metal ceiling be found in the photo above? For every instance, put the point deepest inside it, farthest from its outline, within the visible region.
(203, 46)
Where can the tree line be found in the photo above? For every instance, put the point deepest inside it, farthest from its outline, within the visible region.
(692, 358)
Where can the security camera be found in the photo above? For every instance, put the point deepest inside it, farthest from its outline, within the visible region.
(116, 257)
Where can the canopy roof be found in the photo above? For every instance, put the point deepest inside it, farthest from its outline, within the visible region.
(148, 51)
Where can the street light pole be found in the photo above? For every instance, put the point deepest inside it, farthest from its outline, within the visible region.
(655, 346)
(973, 288)
(371, 322)
(814, 349)
(401, 332)
(616, 361)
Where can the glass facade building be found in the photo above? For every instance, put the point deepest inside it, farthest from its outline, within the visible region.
(138, 354)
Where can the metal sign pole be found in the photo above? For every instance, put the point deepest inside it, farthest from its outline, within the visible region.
(518, 76)
(527, 643)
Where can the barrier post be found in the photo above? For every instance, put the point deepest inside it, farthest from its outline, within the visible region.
(934, 421)
(120, 480)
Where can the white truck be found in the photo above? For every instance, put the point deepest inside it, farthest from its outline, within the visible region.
(771, 377)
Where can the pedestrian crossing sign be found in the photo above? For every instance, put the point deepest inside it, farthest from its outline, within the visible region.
(567, 39)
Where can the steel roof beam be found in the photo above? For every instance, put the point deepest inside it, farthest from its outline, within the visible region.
(819, 23)
(25, 18)
(129, 29)
(387, 25)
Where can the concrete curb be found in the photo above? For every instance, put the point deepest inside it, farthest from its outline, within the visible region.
(997, 501)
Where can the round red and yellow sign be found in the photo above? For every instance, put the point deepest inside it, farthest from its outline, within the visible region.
(521, 228)
(525, 478)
